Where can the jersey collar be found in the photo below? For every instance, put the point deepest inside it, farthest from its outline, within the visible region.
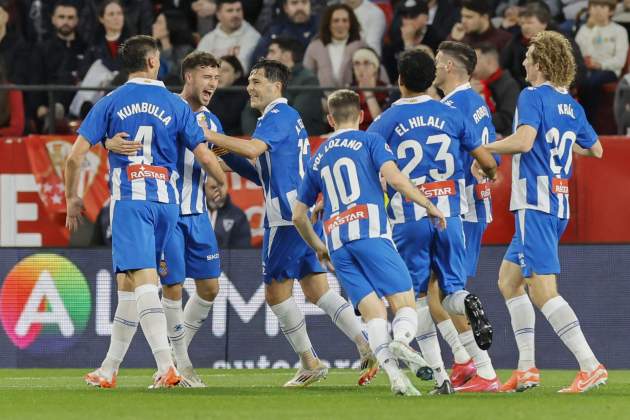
(143, 81)
(558, 89)
(338, 132)
(457, 89)
(272, 104)
(413, 100)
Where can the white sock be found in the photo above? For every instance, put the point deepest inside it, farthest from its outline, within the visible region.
(523, 323)
(405, 324)
(428, 342)
(379, 340)
(451, 336)
(342, 315)
(153, 321)
(566, 325)
(293, 325)
(454, 303)
(195, 313)
(480, 357)
(176, 334)
(123, 329)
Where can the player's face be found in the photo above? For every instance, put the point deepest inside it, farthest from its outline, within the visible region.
(530, 26)
(230, 15)
(471, 21)
(298, 11)
(340, 24)
(204, 82)
(113, 18)
(65, 20)
(261, 90)
(441, 63)
(532, 72)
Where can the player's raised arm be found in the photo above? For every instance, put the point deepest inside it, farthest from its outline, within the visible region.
(521, 141)
(403, 185)
(596, 151)
(208, 160)
(119, 144)
(74, 204)
(250, 149)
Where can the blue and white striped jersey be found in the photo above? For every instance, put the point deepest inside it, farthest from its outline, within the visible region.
(474, 107)
(346, 169)
(540, 177)
(163, 121)
(192, 177)
(429, 140)
(282, 166)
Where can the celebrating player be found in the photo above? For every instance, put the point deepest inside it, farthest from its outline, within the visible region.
(548, 124)
(429, 140)
(281, 149)
(454, 63)
(145, 201)
(346, 169)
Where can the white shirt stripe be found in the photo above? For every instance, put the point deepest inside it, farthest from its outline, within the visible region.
(116, 184)
(162, 191)
(138, 189)
(374, 221)
(189, 161)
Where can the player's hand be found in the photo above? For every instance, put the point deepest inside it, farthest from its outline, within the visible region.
(74, 208)
(437, 217)
(477, 172)
(120, 145)
(318, 211)
(324, 257)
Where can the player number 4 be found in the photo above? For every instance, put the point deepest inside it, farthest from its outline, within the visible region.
(144, 135)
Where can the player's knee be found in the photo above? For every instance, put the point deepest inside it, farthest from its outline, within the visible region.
(172, 291)
(207, 289)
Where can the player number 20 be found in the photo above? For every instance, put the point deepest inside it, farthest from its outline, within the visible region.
(561, 145)
(337, 188)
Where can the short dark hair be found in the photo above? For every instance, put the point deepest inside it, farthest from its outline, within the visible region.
(291, 45)
(324, 27)
(235, 63)
(538, 10)
(198, 59)
(220, 3)
(65, 3)
(416, 69)
(275, 71)
(483, 7)
(344, 105)
(487, 48)
(462, 53)
(134, 51)
(105, 3)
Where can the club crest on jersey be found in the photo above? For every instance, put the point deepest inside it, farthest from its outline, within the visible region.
(142, 171)
(163, 270)
(355, 213)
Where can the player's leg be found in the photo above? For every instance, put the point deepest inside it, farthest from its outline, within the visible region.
(124, 328)
(463, 366)
(449, 266)
(542, 233)
(199, 305)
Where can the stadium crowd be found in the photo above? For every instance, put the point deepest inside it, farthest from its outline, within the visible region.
(327, 43)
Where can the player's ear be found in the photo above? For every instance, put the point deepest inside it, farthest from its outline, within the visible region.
(331, 120)
(361, 116)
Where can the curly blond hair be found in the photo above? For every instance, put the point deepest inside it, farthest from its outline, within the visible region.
(554, 56)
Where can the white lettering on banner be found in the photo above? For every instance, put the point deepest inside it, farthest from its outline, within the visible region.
(57, 315)
(102, 315)
(12, 211)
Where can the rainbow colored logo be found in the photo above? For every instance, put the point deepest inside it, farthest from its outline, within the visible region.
(45, 303)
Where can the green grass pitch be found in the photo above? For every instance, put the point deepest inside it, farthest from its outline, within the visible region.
(257, 394)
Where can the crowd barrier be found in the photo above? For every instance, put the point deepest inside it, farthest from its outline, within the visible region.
(56, 307)
(32, 206)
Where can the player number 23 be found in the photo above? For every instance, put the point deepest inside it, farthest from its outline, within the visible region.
(414, 147)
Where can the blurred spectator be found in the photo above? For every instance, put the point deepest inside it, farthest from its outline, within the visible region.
(571, 8)
(13, 49)
(297, 22)
(604, 45)
(101, 62)
(372, 21)
(11, 107)
(138, 18)
(233, 35)
(475, 26)
(290, 52)
(535, 18)
(443, 15)
(273, 10)
(622, 15)
(366, 68)
(36, 24)
(552, 5)
(410, 29)
(227, 106)
(330, 54)
(171, 30)
(229, 222)
(621, 106)
(496, 86)
(56, 62)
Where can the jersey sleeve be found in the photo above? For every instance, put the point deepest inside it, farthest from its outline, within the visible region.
(529, 109)
(380, 152)
(468, 135)
(586, 135)
(310, 188)
(270, 130)
(191, 132)
(94, 126)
